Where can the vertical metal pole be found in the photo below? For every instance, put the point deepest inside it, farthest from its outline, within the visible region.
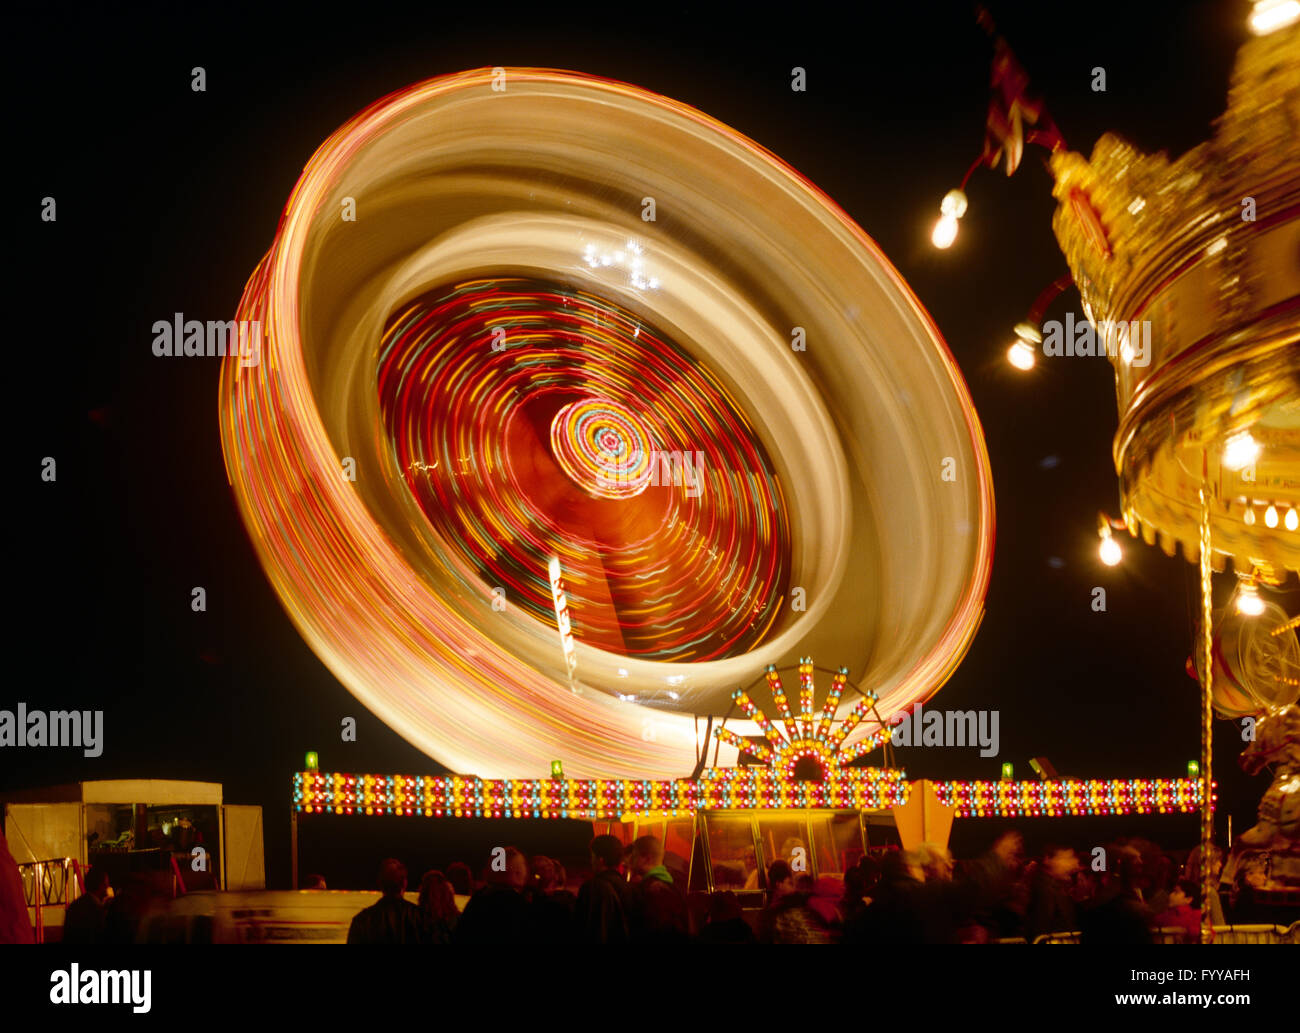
(1207, 731)
(37, 890)
(293, 842)
(220, 861)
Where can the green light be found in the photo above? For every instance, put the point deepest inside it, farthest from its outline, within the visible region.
(557, 769)
(1008, 771)
(1193, 769)
(313, 761)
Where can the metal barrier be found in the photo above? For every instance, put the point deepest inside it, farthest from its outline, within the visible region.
(1257, 933)
(178, 880)
(49, 884)
(1058, 938)
(1178, 934)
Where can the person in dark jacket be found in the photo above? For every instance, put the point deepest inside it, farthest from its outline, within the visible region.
(897, 912)
(394, 919)
(551, 905)
(1051, 908)
(438, 903)
(499, 912)
(85, 918)
(1118, 916)
(128, 911)
(726, 922)
(659, 913)
(602, 909)
(462, 881)
(788, 917)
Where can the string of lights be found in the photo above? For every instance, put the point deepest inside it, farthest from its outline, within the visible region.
(866, 789)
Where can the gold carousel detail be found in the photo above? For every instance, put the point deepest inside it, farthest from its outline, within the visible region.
(1190, 272)
(1201, 255)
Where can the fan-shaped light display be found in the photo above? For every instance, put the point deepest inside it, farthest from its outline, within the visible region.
(534, 421)
(529, 315)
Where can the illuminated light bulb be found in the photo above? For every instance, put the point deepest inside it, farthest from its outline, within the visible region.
(1248, 518)
(1249, 604)
(953, 203)
(1028, 335)
(1109, 551)
(1270, 15)
(1021, 356)
(1270, 516)
(1292, 519)
(945, 232)
(1240, 451)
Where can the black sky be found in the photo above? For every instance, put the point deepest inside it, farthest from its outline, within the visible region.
(167, 199)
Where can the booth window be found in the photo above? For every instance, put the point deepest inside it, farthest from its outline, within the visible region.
(837, 842)
(786, 839)
(127, 837)
(733, 854)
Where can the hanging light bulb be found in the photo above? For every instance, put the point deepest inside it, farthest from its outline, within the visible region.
(1269, 15)
(1249, 604)
(1292, 519)
(1109, 551)
(953, 203)
(1270, 516)
(1240, 450)
(952, 208)
(1023, 353)
(1021, 356)
(945, 232)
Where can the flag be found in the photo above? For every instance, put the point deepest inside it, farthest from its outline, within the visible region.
(1014, 116)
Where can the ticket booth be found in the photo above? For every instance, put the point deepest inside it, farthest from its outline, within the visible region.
(179, 836)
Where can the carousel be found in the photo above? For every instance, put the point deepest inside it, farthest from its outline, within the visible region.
(1188, 271)
(1202, 254)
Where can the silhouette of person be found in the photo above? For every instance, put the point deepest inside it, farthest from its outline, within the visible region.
(394, 919)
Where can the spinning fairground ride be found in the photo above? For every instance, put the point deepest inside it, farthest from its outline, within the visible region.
(576, 411)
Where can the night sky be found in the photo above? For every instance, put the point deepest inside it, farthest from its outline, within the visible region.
(168, 198)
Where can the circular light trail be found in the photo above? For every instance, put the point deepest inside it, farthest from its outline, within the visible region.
(407, 473)
(602, 448)
(534, 421)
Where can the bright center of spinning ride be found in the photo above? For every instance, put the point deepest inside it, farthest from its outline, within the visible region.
(603, 449)
(533, 420)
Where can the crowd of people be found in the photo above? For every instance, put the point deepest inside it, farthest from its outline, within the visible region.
(1120, 894)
